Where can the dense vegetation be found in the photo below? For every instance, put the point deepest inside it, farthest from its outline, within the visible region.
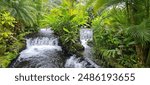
(66, 20)
(122, 32)
(121, 28)
(17, 18)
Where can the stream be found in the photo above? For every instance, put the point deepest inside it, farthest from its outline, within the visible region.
(43, 51)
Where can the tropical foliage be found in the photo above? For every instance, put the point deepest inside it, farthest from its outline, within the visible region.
(22, 10)
(9, 44)
(15, 17)
(66, 20)
(121, 28)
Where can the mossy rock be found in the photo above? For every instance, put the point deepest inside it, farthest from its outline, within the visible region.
(78, 47)
(79, 54)
(90, 43)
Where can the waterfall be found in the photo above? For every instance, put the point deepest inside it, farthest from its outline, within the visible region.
(85, 62)
(42, 51)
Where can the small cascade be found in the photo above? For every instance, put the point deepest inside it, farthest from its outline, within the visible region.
(42, 51)
(75, 62)
(41, 41)
(85, 62)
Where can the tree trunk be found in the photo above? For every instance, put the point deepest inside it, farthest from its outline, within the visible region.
(140, 54)
(133, 10)
(148, 60)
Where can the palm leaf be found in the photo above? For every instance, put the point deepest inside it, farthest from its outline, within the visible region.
(23, 10)
(100, 5)
(140, 33)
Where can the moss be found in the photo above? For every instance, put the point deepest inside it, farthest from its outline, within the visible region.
(76, 49)
(71, 49)
(90, 43)
(79, 49)
(79, 54)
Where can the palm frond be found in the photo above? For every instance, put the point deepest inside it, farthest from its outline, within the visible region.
(100, 5)
(22, 10)
(140, 33)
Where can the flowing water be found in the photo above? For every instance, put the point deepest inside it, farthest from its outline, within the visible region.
(85, 62)
(42, 51)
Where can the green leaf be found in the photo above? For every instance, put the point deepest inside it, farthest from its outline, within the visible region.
(66, 30)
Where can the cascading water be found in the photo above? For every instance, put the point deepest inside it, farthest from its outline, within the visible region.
(85, 62)
(42, 51)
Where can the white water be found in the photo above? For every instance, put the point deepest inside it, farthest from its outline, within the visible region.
(41, 41)
(73, 62)
(41, 51)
